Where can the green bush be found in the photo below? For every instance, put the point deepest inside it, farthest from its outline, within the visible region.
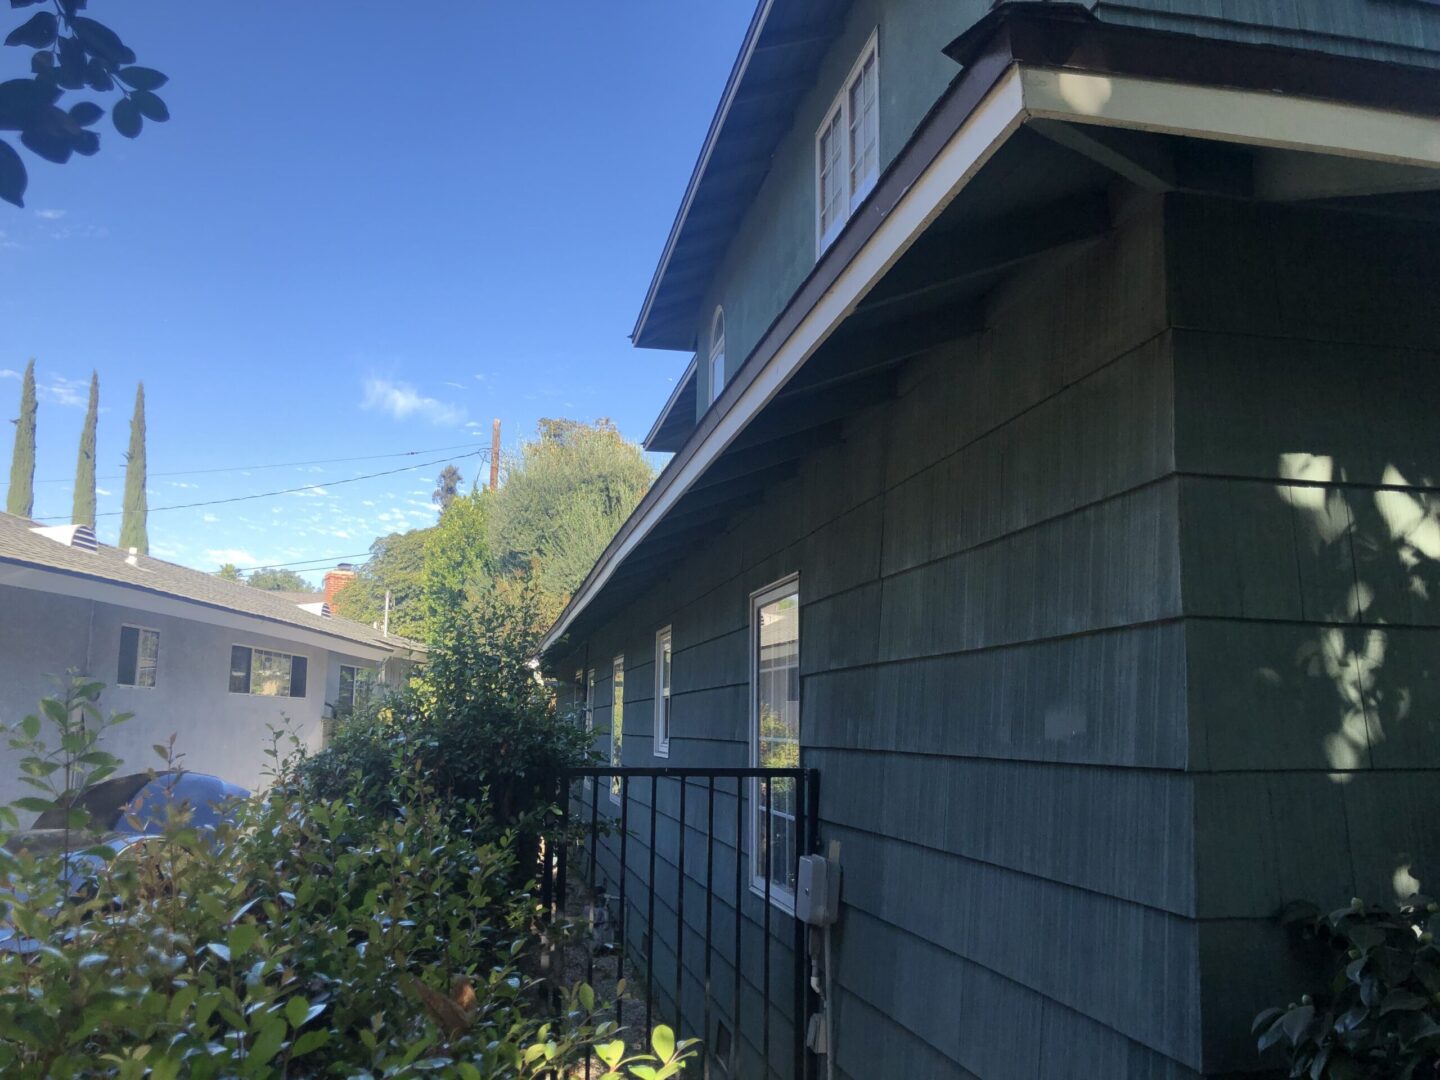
(1379, 1016)
(313, 937)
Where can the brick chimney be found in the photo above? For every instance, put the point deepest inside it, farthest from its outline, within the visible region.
(337, 579)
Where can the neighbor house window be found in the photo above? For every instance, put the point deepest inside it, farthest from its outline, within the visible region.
(847, 147)
(774, 734)
(662, 693)
(139, 656)
(617, 721)
(356, 684)
(717, 353)
(266, 673)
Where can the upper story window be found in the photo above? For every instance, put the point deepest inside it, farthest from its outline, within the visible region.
(662, 692)
(717, 353)
(847, 147)
(139, 656)
(266, 673)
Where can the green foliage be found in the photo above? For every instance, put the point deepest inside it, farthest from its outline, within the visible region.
(397, 563)
(477, 724)
(278, 581)
(574, 487)
(311, 938)
(83, 508)
(230, 572)
(21, 497)
(447, 486)
(71, 52)
(1379, 1016)
(457, 564)
(133, 532)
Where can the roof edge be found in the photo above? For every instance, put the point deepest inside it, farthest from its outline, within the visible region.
(690, 374)
(717, 122)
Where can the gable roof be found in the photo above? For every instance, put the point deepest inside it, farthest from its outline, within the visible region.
(20, 545)
(778, 63)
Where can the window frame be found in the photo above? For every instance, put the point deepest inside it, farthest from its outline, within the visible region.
(141, 631)
(854, 194)
(617, 722)
(585, 681)
(717, 353)
(664, 641)
(249, 690)
(780, 896)
(370, 684)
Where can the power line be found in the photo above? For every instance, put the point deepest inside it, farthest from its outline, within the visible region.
(326, 561)
(484, 452)
(277, 465)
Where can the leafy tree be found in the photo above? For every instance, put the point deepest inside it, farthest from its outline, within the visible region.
(446, 486)
(83, 511)
(457, 558)
(132, 521)
(397, 563)
(72, 52)
(21, 499)
(573, 488)
(279, 581)
(229, 572)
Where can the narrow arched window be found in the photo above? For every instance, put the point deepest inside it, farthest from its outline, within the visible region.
(717, 353)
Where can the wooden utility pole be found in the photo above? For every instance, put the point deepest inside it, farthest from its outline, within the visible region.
(495, 454)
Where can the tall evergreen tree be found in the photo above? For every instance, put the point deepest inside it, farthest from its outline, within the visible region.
(132, 521)
(83, 511)
(21, 499)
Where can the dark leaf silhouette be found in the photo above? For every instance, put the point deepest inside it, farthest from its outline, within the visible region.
(12, 175)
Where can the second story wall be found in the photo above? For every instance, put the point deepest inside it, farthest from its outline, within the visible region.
(775, 249)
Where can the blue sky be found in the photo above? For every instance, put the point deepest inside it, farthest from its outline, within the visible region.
(357, 235)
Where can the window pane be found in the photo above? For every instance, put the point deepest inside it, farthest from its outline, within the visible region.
(129, 655)
(777, 734)
(617, 720)
(269, 673)
(147, 660)
(864, 129)
(662, 690)
(299, 666)
(347, 687)
(240, 662)
(831, 186)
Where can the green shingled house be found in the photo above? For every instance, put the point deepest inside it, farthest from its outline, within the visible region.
(1056, 477)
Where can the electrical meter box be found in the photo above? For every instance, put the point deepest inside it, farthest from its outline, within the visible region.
(817, 893)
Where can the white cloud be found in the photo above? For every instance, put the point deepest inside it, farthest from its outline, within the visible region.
(74, 393)
(181, 484)
(456, 385)
(50, 215)
(209, 519)
(231, 555)
(9, 373)
(479, 378)
(103, 491)
(402, 401)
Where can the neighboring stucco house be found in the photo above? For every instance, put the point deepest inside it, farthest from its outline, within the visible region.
(212, 662)
(1057, 468)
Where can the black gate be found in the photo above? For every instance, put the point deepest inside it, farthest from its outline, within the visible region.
(715, 827)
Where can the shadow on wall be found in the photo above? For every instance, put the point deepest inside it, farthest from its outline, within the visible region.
(1372, 558)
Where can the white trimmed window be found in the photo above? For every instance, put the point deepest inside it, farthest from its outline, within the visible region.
(774, 736)
(139, 657)
(617, 720)
(587, 697)
(662, 692)
(847, 147)
(717, 353)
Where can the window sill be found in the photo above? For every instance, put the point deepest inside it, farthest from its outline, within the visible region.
(783, 899)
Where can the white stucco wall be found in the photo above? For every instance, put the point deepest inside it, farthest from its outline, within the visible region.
(43, 634)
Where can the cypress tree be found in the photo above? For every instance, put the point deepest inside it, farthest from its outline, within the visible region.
(83, 512)
(132, 521)
(21, 499)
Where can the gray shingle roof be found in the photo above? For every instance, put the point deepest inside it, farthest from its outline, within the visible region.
(20, 545)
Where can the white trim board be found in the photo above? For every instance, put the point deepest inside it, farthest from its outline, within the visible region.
(1022, 93)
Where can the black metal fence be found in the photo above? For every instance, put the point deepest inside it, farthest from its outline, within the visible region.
(759, 820)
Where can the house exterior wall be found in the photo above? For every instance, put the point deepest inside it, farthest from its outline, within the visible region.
(992, 690)
(1307, 368)
(44, 634)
